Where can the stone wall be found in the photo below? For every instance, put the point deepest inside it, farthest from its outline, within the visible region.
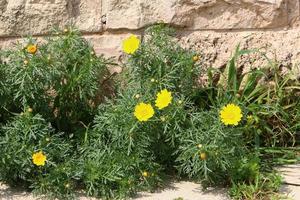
(213, 26)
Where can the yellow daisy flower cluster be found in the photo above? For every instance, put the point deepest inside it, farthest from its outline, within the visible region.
(39, 158)
(144, 111)
(32, 48)
(131, 44)
(231, 114)
(163, 99)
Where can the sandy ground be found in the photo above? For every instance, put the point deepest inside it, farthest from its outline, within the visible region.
(291, 178)
(185, 190)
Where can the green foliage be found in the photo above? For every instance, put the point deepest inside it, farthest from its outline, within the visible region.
(271, 98)
(134, 147)
(222, 146)
(63, 80)
(20, 139)
(265, 186)
(60, 181)
(162, 60)
(56, 90)
(245, 170)
(56, 100)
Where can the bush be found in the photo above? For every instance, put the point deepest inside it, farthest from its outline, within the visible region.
(49, 94)
(208, 148)
(271, 98)
(62, 79)
(61, 131)
(21, 138)
(142, 149)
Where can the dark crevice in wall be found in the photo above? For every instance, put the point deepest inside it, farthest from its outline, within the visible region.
(179, 30)
(73, 8)
(3, 6)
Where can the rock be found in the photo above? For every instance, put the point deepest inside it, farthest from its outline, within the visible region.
(199, 14)
(291, 180)
(37, 17)
(213, 27)
(291, 174)
(218, 47)
(292, 192)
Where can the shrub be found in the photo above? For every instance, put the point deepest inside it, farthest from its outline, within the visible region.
(49, 94)
(265, 186)
(208, 148)
(20, 139)
(141, 146)
(271, 98)
(70, 135)
(62, 79)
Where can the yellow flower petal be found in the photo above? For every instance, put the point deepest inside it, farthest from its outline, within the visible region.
(131, 44)
(145, 174)
(32, 48)
(163, 99)
(231, 114)
(39, 158)
(143, 112)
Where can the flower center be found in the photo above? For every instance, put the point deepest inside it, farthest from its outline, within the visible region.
(230, 116)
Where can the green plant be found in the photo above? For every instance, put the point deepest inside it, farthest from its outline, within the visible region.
(49, 93)
(265, 186)
(63, 80)
(60, 133)
(272, 99)
(20, 139)
(140, 151)
(221, 145)
(161, 63)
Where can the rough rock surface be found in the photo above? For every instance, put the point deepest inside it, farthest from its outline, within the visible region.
(291, 179)
(18, 17)
(199, 14)
(212, 26)
(217, 47)
(36, 17)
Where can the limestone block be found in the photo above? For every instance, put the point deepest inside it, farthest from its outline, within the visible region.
(36, 17)
(197, 14)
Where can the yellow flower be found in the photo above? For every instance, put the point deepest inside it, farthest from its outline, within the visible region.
(32, 48)
(143, 112)
(164, 98)
(145, 174)
(203, 156)
(39, 158)
(131, 44)
(231, 114)
(250, 119)
(195, 58)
